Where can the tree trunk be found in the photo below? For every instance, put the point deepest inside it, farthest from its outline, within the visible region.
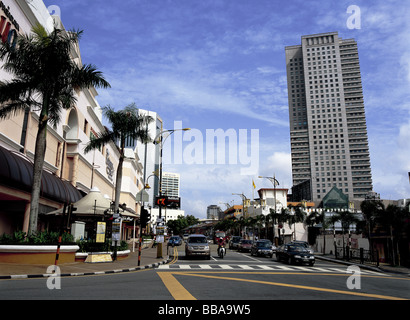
(118, 181)
(39, 155)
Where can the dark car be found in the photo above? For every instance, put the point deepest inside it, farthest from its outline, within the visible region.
(303, 244)
(262, 248)
(292, 253)
(234, 242)
(175, 240)
(244, 245)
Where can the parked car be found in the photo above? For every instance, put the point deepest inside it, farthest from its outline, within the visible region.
(304, 244)
(197, 245)
(262, 248)
(245, 245)
(175, 240)
(294, 253)
(234, 242)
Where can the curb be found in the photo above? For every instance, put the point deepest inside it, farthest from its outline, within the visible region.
(74, 274)
(351, 263)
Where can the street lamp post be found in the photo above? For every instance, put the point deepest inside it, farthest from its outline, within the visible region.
(160, 140)
(275, 183)
(243, 204)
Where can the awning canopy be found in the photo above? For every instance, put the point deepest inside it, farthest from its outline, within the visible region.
(94, 203)
(17, 172)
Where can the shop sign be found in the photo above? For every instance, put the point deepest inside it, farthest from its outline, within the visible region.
(6, 21)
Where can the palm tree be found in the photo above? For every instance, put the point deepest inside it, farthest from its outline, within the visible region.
(126, 124)
(371, 209)
(292, 218)
(45, 80)
(319, 218)
(346, 218)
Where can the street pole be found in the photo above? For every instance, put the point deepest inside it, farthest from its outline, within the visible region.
(161, 141)
(142, 202)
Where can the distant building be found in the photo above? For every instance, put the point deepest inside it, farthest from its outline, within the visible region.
(214, 212)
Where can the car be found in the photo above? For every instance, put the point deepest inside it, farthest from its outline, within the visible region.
(175, 240)
(304, 244)
(244, 245)
(234, 242)
(294, 253)
(185, 236)
(197, 245)
(262, 248)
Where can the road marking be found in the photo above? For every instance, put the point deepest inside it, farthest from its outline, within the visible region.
(246, 267)
(368, 295)
(264, 267)
(174, 287)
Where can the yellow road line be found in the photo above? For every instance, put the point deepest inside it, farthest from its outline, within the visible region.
(368, 295)
(174, 287)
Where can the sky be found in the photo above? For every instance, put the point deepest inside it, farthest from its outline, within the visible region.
(218, 67)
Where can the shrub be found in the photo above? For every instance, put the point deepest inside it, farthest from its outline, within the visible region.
(44, 237)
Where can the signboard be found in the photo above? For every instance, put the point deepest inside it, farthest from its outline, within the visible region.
(116, 229)
(170, 202)
(101, 226)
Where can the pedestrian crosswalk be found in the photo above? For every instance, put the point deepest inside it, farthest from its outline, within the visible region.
(262, 267)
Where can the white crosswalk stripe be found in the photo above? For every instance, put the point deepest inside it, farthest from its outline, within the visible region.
(260, 267)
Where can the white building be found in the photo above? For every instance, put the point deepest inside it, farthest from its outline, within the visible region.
(276, 199)
(170, 184)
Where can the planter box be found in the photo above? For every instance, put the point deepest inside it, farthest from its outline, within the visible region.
(37, 254)
(86, 257)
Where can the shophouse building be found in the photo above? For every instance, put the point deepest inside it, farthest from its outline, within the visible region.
(68, 172)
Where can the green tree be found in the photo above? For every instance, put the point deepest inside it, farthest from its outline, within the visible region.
(371, 209)
(319, 218)
(346, 218)
(45, 80)
(177, 225)
(125, 124)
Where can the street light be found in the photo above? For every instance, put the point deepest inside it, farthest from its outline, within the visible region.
(275, 183)
(160, 140)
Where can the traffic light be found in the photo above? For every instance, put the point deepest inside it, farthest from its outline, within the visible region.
(145, 217)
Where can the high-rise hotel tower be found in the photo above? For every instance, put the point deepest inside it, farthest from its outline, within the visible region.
(328, 131)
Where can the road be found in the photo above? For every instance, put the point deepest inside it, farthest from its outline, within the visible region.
(238, 277)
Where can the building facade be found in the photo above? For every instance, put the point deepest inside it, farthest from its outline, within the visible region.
(68, 172)
(328, 130)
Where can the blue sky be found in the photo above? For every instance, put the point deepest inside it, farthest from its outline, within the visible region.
(220, 64)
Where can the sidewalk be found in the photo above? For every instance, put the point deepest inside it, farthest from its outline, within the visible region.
(148, 259)
(383, 267)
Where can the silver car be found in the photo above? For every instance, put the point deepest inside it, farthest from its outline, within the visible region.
(197, 245)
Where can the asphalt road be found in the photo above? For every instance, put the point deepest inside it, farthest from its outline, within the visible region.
(238, 278)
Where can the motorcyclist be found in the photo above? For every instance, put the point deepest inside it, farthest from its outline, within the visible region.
(221, 243)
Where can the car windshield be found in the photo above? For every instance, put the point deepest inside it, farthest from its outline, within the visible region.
(197, 240)
(301, 244)
(174, 238)
(246, 241)
(263, 244)
(297, 248)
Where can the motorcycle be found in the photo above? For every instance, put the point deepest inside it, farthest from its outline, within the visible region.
(221, 252)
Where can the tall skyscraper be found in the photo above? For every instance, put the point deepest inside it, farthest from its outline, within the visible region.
(328, 130)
